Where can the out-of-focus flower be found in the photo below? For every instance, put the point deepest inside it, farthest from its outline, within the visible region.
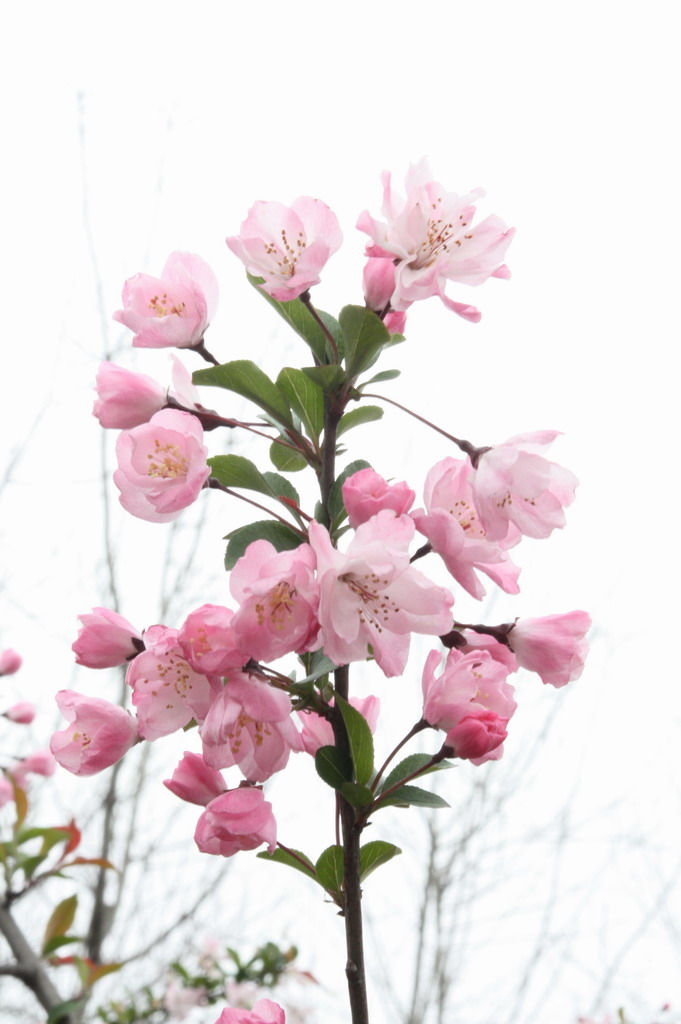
(99, 733)
(10, 662)
(180, 999)
(105, 640)
(553, 646)
(317, 731)
(22, 713)
(240, 819)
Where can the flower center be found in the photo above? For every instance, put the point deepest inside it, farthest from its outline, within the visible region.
(440, 239)
(167, 461)
(467, 517)
(163, 306)
(280, 602)
(375, 605)
(288, 254)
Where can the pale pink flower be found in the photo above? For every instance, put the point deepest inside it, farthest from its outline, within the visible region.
(194, 781)
(366, 493)
(514, 483)
(173, 309)
(10, 662)
(40, 762)
(430, 235)
(6, 790)
(553, 646)
(249, 724)
(209, 642)
(167, 692)
(264, 1012)
(105, 640)
(99, 733)
(126, 399)
(317, 731)
(22, 713)
(278, 597)
(240, 819)
(372, 596)
(287, 246)
(483, 642)
(453, 528)
(180, 999)
(161, 466)
(242, 994)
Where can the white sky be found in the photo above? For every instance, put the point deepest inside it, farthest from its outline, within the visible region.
(568, 116)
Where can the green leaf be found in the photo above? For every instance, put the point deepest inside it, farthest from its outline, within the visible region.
(333, 766)
(336, 506)
(278, 534)
(60, 920)
(319, 666)
(373, 854)
(298, 316)
(365, 336)
(411, 764)
(412, 796)
(361, 741)
(358, 796)
(236, 471)
(286, 459)
(331, 869)
(281, 487)
(334, 329)
(354, 418)
(245, 378)
(63, 1010)
(305, 398)
(57, 942)
(383, 375)
(328, 378)
(283, 857)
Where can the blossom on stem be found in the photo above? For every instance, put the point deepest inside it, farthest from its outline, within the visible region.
(22, 713)
(208, 640)
(194, 781)
(240, 819)
(264, 1012)
(126, 399)
(98, 734)
(514, 484)
(553, 646)
(317, 731)
(105, 640)
(161, 466)
(10, 662)
(366, 493)
(430, 237)
(173, 309)
(287, 245)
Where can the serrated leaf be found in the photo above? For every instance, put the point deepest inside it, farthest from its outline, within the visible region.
(373, 854)
(328, 378)
(361, 741)
(333, 766)
(297, 315)
(245, 378)
(286, 459)
(280, 487)
(365, 335)
(282, 537)
(412, 796)
(336, 506)
(355, 418)
(236, 471)
(411, 764)
(61, 919)
(283, 857)
(305, 398)
(358, 796)
(330, 868)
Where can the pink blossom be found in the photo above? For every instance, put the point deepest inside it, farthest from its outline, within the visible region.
(126, 399)
(99, 733)
(240, 819)
(208, 640)
(478, 734)
(180, 999)
(6, 790)
(22, 713)
(161, 466)
(317, 731)
(453, 528)
(167, 692)
(105, 640)
(430, 236)
(514, 484)
(287, 246)
(173, 309)
(366, 493)
(264, 1012)
(482, 642)
(378, 280)
(194, 781)
(278, 597)
(249, 724)
(553, 646)
(395, 321)
(40, 762)
(10, 662)
(372, 596)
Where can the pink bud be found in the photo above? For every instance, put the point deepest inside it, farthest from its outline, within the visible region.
(23, 713)
(208, 640)
(553, 646)
(126, 399)
(99, 733)
(10, 662)
(240, 819)
(366, 493)
(194, 781)
(40, 762)
(478, 734)
(105, 640)
(378, 280)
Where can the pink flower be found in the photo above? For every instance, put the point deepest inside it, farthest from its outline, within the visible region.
(194, 781)
(372, 595)
(264, 1012)
(287, 246)
(105, 640)
(10, 662)
(22, 713)
(513, 483)
(453, 528)
(482, 642)
(553, 646)
(278, 597)
(240, 819)
(478, 734)
(430, 235)
(161, 466)
(365, 493)
(173, 309)
(126, 399)
(6, 790)
(99, 733)
(167, 692)
(249, 724)
(317, 731)
(40, 762)
(208, 641)
(180, 999)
